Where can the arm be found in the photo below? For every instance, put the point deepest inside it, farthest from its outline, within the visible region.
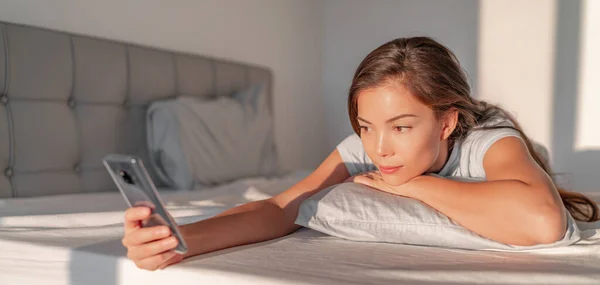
(265, 219)
(518, 204)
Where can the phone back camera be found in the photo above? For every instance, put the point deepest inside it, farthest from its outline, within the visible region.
(126, 177)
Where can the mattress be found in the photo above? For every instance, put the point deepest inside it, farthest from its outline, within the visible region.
(75, 239)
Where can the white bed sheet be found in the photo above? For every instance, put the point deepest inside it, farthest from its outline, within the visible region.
(75, 239)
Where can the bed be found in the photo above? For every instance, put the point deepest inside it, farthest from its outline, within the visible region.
(75, 239)
(67, 100)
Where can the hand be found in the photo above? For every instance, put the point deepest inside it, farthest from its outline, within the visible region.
(150, 248)
(374, 180)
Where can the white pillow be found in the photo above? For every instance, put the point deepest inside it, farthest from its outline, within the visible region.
(356, 212)
(195, 143)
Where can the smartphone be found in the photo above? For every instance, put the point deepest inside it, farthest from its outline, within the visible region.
(132, 179)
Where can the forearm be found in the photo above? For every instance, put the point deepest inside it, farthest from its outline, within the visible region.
(242, 208)
(264, 221)
(507, 211)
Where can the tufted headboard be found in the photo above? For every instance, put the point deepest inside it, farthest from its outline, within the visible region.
(67, 100)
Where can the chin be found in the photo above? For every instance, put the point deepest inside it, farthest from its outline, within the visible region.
(394, 180)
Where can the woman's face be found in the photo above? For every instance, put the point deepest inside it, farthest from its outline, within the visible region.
(402, 136)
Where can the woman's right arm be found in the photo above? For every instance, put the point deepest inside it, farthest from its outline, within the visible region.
(150, 248)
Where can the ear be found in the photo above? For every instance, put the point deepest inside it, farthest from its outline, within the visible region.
(449, 122)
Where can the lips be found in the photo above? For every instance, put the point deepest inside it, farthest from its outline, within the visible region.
(388, 169)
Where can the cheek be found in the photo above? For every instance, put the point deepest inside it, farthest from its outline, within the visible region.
(421, 153)
(424, 152)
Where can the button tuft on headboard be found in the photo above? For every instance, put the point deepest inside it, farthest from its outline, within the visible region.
(71, 102)
(8, 172)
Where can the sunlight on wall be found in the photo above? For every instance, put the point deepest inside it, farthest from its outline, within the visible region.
(516, 61)
(587, 132)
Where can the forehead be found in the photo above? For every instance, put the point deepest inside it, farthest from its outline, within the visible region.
(389, 100)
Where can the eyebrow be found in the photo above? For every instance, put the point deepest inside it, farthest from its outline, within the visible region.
(389, 120)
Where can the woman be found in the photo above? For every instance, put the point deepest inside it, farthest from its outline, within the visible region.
(413, 115)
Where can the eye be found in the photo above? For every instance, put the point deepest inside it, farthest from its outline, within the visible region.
(364, 128)
(401, 129)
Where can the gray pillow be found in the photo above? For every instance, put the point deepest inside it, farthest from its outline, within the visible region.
(356, 212)
(195, 143)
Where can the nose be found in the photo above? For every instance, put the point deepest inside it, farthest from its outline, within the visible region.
(383, 147)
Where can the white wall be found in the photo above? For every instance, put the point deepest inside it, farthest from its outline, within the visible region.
(587, 137)
(353, 28)
(576, 149)
(516, 61)
(542, 66)
(284, 35)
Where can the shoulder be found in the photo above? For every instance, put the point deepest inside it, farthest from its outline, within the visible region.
(479, 140)
(350, 144)
(482, 136)
(353, 155)
(353, 138)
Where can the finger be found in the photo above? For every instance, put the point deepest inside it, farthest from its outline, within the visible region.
(364, 180)
(133, 216)
(175, 259)
(153, 262)
(377, 175)
(145, 235)
(152, 248)
(373, 183)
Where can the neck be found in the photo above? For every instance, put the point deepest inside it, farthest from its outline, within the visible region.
(442, 158)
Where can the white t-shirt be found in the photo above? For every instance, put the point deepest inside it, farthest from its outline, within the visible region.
(465, 161)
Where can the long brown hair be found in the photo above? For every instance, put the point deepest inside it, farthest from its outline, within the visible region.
(432, 73)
